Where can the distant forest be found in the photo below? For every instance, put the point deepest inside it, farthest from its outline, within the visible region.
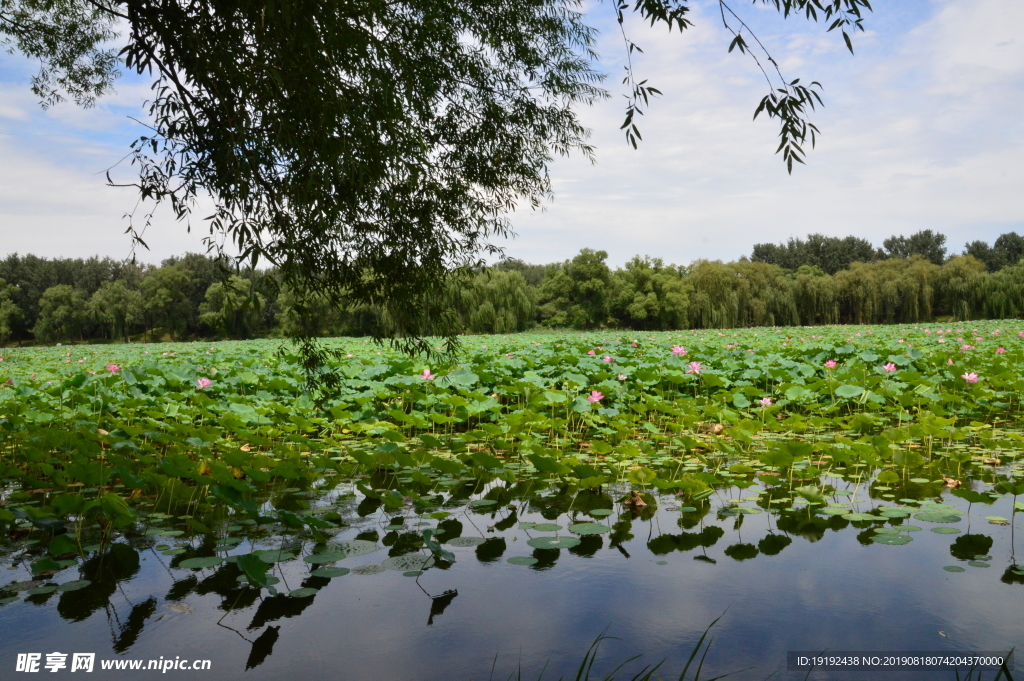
(817, 280)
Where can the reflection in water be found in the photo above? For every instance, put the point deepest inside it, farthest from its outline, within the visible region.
(439, 603)
(494, 530)
(262, 647)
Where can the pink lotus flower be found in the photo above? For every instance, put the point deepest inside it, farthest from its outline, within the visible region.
(203, 383)
(1021, 334)
(113, 368)
(678, 350)
(427, 376)
(591, 352)
(830, 364)
(608, 358)
(694, 368)
(949, 361)
(889, 368)
(965, 346)
(766, 401)
(1000, 351)
(595, 397)
(635, 344)
(970, 377)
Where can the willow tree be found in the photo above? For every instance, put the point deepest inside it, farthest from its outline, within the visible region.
(497, 301)
(367, 150)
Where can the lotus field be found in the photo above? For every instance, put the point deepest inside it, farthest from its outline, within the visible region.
(213, 457)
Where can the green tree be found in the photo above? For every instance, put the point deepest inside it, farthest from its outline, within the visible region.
(926, 243)
(578, 293)
(368, 149)
(165, 297)
(1008, 250)
(828, 253)
(232, 308)
(650, 295)
(118, 307)
(9, 312)
(816, 295)
(62, 314)
(497, 301)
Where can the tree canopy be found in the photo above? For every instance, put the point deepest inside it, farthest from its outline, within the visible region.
(369, 151)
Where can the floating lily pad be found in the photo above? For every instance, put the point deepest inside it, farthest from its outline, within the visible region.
(834, 511)
(909, 528)
(601, 512)
(995, 519)
(204, 562)
(74, 585)
(92, 547)
(980, 557)
(522, 560)
(466, 541)
(937, 517)
(368, 570)
(553, 542)
(886, 530)
(527, 526)
(547, 527)
(173, 552)
(748, 510)
(274, 555)
(162, 547)
(892, 539)
(325, 557)
(353, 547)
(41, 590)
(954, 568)
(170, 533)
(411, 561)
(920, 481)
(483, 502)
(662, 562)
(589, 528)
(687, 509)
(945, 530)
(305, 592)
(271, 579)
(330, 572)
(11, 599)
(412, 573)
(978, 563)
(859, 516)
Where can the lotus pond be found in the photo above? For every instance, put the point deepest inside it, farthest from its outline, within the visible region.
(843, 488)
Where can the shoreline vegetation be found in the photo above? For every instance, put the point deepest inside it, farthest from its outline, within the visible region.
(812, 282)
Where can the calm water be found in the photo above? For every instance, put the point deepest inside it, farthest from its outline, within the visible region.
(655, 581)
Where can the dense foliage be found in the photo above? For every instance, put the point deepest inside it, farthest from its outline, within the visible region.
(222, 443)
(820, 280)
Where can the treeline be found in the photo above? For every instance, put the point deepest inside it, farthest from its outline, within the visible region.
(817, 280)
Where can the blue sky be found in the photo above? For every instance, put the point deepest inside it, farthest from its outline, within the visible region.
(921, 130)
